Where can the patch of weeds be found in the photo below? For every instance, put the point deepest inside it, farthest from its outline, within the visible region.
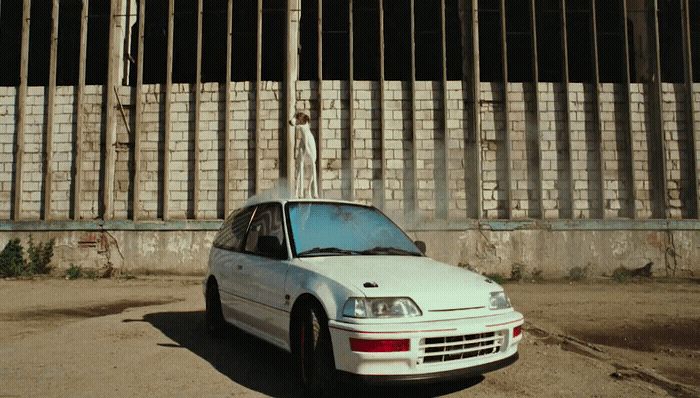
(621, 274)
(578, 273)
(13, 262)
(90, 274)
(517, 272)
(496, 278)
(12, 259)
(39, 256)
(537, 275)
(74, 272)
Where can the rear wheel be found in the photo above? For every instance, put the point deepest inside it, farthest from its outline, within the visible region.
(314, 352)
(214, 315)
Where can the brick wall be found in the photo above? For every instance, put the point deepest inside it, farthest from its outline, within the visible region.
(616, 162)
(334, 182)
(7, 149)
(678, 160)
(641, 128)
(494, 180)
(555, 157)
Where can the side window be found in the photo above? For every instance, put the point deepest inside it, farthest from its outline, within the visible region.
(266, 233)
(232, 232)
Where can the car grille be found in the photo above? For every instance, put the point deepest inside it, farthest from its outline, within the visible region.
(453, 348)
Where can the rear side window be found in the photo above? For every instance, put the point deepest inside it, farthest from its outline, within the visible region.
(266, 233)
(232, 232)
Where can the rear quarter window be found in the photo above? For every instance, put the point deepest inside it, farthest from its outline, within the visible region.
(233, 230)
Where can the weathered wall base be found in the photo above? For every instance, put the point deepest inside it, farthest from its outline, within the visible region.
(557, 252)
(488, 251)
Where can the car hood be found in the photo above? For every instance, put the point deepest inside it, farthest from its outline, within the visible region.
(434, 286)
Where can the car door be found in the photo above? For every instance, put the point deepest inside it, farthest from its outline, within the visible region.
(266, 269)
(229, 262)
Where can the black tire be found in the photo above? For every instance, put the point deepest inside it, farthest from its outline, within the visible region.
(313, 352)
(216, 325)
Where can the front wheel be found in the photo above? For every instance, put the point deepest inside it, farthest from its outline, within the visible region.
(314, 352)
(214, 315)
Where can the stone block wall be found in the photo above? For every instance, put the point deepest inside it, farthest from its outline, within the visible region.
(7, 149)
(494, 178)
(582, 163)
(615, 144)
(555, 157)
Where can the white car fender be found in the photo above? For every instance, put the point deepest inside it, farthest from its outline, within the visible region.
(331, 294)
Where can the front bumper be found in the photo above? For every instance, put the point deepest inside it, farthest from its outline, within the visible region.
(422, 362)
(444, 376)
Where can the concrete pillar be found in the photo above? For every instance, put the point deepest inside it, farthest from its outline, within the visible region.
(291, 77)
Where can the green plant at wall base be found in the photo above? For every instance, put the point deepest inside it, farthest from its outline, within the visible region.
(39, 256)
(621, 274)
(12, 259)
(496, 278)
(578, 273)
(537, 275)
(74, 272)
(516, 272)
(91, 274)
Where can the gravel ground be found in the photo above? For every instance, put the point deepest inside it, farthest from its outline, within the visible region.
(146, 337)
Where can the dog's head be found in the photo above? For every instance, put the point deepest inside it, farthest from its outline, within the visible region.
(299, 119)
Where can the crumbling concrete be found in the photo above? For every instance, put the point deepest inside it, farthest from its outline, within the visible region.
(552, 252)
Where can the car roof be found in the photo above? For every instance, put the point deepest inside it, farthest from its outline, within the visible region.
(259, 201)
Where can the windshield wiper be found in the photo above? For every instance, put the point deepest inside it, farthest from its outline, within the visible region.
(379, 250)
(326, 250)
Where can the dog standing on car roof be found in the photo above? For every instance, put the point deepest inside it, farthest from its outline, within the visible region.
(305, 152)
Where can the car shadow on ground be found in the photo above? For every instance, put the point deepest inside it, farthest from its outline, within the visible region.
(262, 367)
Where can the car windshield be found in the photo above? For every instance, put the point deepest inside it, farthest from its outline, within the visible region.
(336, 229)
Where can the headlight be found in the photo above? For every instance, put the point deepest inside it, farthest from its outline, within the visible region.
(499, 301)
(385, 307)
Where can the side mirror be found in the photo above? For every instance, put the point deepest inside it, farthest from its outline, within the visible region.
(421, 246)
(271, 246)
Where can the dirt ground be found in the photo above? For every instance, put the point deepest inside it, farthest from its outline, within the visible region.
(146, 337)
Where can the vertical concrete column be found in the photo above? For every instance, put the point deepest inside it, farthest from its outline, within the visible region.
(227, 108)
(138, 110)
(50, 109)
(443, 205)
(628, 104)
(598, 128)
(351, 102)
(414, 138)
(291, 77)
(690, 106)
(21, 108)
(113, 53)
(382, 96)
(168, 110)
(197, 112)
(319, 140)
(80, 113)
(536, 108)
(258, 83)
(658, 105)
(471, 78)
(567, 104)
(506, 111)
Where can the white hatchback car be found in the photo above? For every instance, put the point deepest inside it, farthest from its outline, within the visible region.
(350, 295)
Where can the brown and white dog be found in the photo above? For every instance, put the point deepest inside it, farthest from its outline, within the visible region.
(305, 152)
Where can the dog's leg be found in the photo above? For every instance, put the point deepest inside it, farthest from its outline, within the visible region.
(314, 183)
(301, 176)
(298, 183)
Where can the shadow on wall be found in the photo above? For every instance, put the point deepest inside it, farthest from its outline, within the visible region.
(259, 366)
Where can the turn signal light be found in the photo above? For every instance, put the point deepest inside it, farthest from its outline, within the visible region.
(517, 331)
(361, 345)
